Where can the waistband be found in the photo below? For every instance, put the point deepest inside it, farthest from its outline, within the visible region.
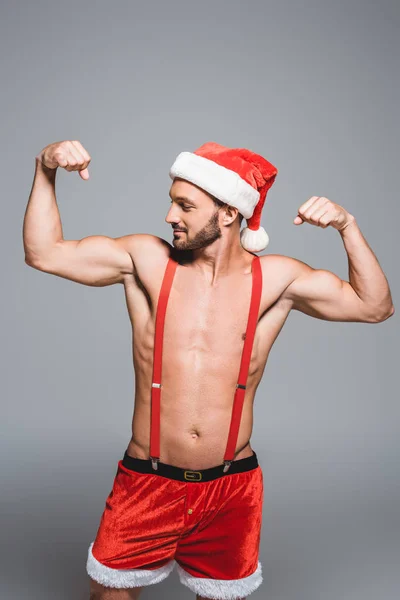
(143, 465)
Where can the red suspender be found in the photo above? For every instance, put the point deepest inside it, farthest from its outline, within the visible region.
(157, 362)
(243, 371)
(245, 362)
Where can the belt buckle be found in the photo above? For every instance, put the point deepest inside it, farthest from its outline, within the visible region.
(188, 475)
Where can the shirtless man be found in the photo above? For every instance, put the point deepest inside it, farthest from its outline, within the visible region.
(177, 498)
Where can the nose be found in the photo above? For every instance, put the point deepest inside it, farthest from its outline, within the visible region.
(172, 215)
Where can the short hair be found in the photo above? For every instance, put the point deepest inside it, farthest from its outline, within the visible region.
(220, 203)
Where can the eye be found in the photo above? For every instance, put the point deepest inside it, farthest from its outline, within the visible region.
(184, 207)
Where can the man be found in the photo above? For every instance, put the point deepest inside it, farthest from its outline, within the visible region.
(189, 489)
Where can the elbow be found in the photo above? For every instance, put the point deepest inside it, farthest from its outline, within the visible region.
(28, 261)
(379, 317)
(33, 263)
(390, 313)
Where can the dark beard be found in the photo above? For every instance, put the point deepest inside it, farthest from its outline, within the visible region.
(206, 236)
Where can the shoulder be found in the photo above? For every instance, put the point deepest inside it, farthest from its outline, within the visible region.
(146, 248)
(149, 253)
(283, 270)
(138, 241)
(290, 267)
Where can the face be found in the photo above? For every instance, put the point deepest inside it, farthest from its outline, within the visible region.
(193, 216)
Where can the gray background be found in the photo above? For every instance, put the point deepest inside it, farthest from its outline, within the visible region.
(312, 86)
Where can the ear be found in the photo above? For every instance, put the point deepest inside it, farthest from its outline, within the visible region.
(229, 214)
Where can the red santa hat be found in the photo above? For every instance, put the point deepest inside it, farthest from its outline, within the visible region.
(236, 176)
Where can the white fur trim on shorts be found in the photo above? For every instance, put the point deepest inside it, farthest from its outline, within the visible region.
(222, 589)
(125, 578)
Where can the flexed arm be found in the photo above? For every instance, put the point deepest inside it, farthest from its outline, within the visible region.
(95, 260)
(320, 293)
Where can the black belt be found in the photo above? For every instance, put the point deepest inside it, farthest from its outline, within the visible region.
(143, 465)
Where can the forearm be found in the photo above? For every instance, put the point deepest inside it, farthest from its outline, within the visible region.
(42, 227)
(365, 274)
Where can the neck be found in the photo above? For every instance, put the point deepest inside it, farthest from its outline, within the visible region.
(221, 259)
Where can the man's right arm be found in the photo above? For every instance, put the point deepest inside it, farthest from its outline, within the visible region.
(96, 260)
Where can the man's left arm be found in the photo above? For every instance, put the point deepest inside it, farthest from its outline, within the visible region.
(320, 293)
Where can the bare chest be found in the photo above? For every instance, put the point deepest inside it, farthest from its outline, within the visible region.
(207, 319)
(202, 351)
(205, 325)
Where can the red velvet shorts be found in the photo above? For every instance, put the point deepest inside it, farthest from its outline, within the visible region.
(206, 522)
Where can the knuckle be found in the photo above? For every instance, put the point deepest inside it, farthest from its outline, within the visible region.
(60, 158)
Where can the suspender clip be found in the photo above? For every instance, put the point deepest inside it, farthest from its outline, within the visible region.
(227, 464)
(158, 385)
(242, 387)
(154, 462)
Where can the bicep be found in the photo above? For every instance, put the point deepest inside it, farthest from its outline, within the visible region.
(322, 294)
(95, 260)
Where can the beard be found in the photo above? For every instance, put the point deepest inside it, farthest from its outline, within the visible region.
(206, 236)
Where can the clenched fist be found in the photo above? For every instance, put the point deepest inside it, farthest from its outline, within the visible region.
(322, 212)
(71, 156)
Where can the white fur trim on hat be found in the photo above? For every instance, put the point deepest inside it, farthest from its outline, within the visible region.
(223, 183)
(221, 589)
(254, 240)
(125, 578)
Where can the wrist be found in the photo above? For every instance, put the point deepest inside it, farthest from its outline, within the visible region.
(350, 224)
(40, 166)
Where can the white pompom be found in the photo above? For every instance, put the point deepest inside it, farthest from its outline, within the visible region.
(254, 240)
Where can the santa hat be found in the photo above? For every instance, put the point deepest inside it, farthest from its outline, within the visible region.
(236, 176)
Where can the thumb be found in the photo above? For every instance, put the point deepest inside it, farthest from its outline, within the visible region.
(298, 220)
(84, 174)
